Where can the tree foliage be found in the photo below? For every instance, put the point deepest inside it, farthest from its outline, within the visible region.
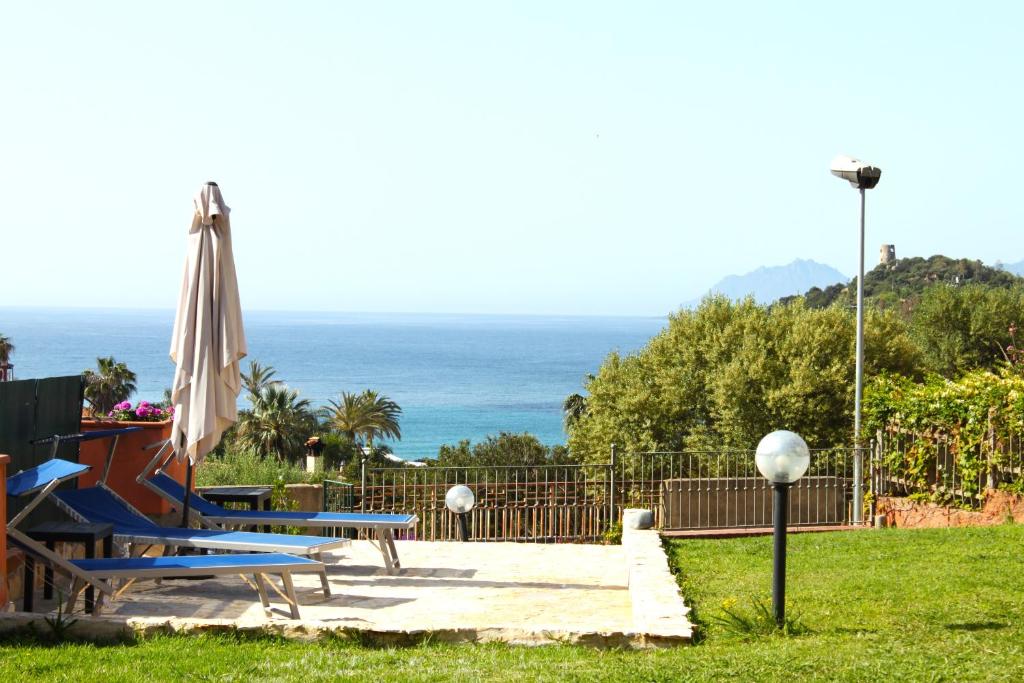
(109, 384)
(960, 329)
(729, 372)
(257, 379)
(506, 449)
(904, 280)
(366, 416)
(573, 408)
(6, 349)
(278, 422)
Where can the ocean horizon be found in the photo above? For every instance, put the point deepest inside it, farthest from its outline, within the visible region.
(456, 376)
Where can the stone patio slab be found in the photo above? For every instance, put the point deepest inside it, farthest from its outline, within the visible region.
(510, 592)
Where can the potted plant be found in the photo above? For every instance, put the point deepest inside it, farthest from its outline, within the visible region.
(131, 455)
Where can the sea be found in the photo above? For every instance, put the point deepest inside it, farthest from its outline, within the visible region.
(455, 376)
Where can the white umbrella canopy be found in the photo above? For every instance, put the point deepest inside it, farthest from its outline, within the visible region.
(208, 341)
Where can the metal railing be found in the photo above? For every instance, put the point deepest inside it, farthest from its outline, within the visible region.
(339, 496)
(545, 503)
(693, 490)
(935, 465)
(580, 502)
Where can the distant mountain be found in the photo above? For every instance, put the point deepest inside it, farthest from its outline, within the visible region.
(1015, 268)
(768, 283)
(903, 280)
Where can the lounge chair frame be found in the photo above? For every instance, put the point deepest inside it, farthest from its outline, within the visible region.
(383, 532)
(94, 572)
(140, 536)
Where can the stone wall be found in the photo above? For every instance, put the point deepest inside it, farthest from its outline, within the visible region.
(998, 508)
(725, 502)
(310, 497)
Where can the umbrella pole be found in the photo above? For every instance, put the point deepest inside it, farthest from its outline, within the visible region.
(188, 495)
(188, 487)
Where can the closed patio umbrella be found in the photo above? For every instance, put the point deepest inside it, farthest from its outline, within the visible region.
(208, 341)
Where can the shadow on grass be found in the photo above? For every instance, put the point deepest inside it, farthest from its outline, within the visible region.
(34, 637)
(978, 626)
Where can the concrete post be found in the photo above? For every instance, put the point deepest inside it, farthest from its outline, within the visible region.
(611, 489)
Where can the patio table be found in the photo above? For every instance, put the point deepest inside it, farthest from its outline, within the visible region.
(256, 496)
(52, 533)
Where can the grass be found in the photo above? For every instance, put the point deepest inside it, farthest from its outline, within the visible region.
(887, 605)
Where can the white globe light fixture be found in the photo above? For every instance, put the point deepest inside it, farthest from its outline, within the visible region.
(782, 458)
(460, 500)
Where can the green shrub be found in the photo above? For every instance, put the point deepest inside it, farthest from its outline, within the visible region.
(338, 451)
(613, 534)
(758, 622)
(246, 467)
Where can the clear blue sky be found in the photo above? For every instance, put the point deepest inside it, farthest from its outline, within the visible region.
(580, 158)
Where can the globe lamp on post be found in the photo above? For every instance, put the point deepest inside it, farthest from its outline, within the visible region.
(460, 500)
(782, 458)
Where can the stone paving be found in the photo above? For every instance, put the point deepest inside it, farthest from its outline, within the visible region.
(511, 592)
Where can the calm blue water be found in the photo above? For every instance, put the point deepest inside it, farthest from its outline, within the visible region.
(455, 376)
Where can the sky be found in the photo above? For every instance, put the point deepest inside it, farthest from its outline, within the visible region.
(579, 158)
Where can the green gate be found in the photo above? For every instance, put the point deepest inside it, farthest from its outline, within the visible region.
(339, 496)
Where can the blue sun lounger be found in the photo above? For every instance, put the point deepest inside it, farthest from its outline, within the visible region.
(100, 505)
(382, 525)
(41, 481)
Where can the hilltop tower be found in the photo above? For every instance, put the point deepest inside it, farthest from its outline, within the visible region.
(887, 254)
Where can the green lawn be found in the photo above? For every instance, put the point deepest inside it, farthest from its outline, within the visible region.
(881, 605)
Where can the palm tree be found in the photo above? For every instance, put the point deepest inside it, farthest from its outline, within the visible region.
(258, 379)
(574, 407)
(384, 414)
(367, 416)
(347, 416)
(278, 423)
(6, 349)
(111, 383)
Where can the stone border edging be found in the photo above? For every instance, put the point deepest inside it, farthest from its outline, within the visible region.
(113, 629)
(658, 609)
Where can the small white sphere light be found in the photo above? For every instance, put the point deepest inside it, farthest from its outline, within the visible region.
(782, 457)
(459, 499)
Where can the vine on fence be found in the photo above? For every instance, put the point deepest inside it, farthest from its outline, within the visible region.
(974, 417)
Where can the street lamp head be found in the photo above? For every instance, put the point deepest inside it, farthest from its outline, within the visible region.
(856, 172)
(782, 457)
(459, 499)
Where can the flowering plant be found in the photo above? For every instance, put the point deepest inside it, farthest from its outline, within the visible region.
(143, 412)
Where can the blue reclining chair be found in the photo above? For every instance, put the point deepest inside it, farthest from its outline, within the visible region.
(100, 505)
(211, 515)
(43, 479)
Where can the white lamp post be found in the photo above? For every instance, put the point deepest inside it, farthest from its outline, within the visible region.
(782, 458)
(460, 500)
(863, 177)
